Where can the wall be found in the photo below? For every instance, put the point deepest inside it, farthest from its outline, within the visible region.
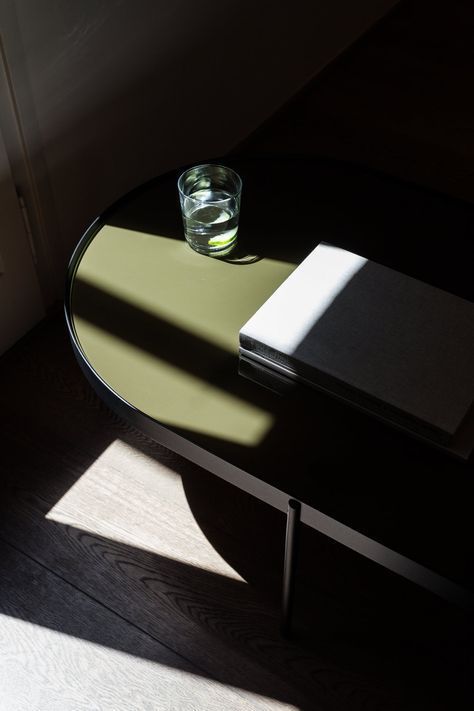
(111, 92)
(21, 304)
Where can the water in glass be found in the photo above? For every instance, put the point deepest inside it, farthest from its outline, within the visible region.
(211, 221)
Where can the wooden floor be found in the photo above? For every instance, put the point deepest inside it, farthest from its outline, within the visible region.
(130, 579)
(124, 569)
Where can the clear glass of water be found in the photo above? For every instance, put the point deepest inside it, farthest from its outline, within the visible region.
(210, 205)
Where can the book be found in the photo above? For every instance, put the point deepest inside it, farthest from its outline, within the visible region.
(383, 341)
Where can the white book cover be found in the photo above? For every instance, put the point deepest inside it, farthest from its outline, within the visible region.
(372, 335)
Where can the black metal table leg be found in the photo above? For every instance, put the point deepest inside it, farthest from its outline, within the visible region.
(291, 543)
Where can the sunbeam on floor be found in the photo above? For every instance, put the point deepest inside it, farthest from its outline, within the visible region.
(139, 508)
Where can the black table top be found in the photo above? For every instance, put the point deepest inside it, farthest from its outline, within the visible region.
(155, 327)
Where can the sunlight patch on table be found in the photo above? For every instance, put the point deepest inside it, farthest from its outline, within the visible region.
(169, 394)
(164, 277)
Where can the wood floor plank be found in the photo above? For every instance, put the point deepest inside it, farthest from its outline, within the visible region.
(60, 650)
(218, 622)
(117, 599)
(114, 522)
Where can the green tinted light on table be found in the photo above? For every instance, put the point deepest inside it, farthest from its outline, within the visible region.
(160, 323)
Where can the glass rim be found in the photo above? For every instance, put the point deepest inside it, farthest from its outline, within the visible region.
(236, 193)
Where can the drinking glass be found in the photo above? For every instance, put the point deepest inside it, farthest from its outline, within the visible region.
(210, 204)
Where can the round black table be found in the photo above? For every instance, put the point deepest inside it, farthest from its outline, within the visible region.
(155, 329)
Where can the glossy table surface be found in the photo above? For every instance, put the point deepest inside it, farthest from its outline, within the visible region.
(155, 327)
